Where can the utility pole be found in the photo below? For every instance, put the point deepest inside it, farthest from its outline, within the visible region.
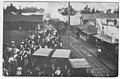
(69, 23)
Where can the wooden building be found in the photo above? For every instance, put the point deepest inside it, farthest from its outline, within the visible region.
(15, 22)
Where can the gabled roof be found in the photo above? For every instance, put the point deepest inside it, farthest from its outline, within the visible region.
(105, 15)
(88, 28)
(31, 18)
(61, 53)
(79, 63)
(90, 32)
(99, 15)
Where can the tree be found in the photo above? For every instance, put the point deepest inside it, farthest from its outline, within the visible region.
(116, 10)
(86, 10)
(19, 11)
(108, 11)
(93, 10)
(97, 11)
(64, 11)
(32, 10)
(10, 9)
(86, 7)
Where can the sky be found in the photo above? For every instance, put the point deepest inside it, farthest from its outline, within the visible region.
(52, 7)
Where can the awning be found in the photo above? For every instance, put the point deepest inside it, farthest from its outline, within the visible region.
(105, 38)
(79, 63)
(89, 32)
(61, 53)
(43, 52)
(79, 26)
(89, 27)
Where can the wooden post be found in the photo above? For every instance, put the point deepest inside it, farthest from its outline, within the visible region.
(69, 23)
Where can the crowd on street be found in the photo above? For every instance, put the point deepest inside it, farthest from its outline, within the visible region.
(17, 61)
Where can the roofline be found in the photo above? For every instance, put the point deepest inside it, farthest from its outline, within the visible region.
(99, 16)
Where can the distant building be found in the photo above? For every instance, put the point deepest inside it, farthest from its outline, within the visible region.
(14, 22)
(102, 28)
(47, 15)
(108, 21)
(87, 27)
(75, 20)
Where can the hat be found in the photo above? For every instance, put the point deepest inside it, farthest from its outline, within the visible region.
(19, 68)
(12, 42)
(22, 42)
(11, 58)
(58, 67)
(15, 55)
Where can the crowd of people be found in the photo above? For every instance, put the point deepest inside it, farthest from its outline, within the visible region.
(17, 61)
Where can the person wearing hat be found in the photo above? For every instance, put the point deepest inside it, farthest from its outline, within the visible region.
(19, 71)
(99, 51)
(61, 44)
(22, 43)
(25, 59)
(11, 65)
(28, 72)
(7, 53)
(21, 47)
(5, 72)
(55, 46)
(14, 49)
(58, 72)
(12, 44)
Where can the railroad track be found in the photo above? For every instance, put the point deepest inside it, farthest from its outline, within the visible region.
(98, 67)
(66, 46)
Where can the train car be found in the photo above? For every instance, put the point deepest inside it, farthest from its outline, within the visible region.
(41, 59)
(60, 59)
(79, 67)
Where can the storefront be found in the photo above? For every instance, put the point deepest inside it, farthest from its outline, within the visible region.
(86, 34)
(109, 48)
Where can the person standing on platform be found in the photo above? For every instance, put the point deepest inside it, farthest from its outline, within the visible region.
(99, 51)
(61, 44)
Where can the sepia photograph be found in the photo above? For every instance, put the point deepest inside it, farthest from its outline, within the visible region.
(60, 39)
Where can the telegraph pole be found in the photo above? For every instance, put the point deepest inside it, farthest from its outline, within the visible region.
(69, 23)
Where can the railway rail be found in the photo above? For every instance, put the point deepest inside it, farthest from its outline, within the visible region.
(98, 67)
